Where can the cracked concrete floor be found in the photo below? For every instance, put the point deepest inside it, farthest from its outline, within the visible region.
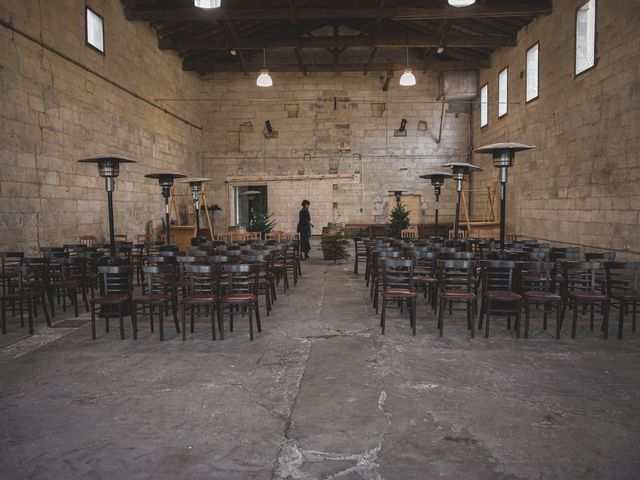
(320, 394)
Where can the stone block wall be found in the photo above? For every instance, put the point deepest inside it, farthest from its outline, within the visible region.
(331, 123)
(580, 186)
(62, 105)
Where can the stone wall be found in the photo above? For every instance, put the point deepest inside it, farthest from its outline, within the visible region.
(62, 105)
(331, 124)
(580, 186)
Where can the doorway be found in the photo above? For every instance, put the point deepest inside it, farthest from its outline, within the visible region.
(249, 200)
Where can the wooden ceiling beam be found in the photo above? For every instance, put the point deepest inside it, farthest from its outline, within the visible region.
(492, 9)
(211, 67)
(346, 41)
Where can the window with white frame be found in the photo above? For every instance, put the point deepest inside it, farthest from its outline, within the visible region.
(532, 77)
(484, 105)
(586, 36)
(95, 30)
(503, 92)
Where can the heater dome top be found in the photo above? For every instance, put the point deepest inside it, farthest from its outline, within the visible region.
(431, 175)
(107, 156)
(195, 180)
(500, 147)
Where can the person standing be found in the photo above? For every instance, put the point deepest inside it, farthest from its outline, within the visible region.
(304, 229)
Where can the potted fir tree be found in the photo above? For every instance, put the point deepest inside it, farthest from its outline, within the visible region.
(398, 221)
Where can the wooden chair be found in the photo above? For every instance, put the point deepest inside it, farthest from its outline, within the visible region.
(455, 285)
(7, 273)
(580, 288)
(69, 283)
(623, 289)
(241, 292)
(29, 290)
(157, 292)
(116, 284)
(535, 287)
(202, 291)
(266, 284)
(499, 294)
(397, 284)
(360, 254)
(88, 240)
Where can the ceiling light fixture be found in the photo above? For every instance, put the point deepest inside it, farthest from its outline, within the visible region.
(461, 3)
(207, 3)
(407, 79)
(264, 79)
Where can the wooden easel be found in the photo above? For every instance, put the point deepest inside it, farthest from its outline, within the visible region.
(173, 208)
(489, 207)
(203, 202)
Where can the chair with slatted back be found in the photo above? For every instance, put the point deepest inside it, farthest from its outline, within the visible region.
(580, 287)
(623, 289)
(455, 285)
(425, 275)
(7, 274)
(360, 255)
(397, 285)
(535, 280)
(203, 290)
(499, 296)
(157, 292)
(376, 271)
(89, 260)
(280, 266)
(29, 290)
(69, 283)
(241, 293)
(265, 280)
(116, 285)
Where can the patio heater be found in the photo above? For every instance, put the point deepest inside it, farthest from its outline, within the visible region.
(397, 194)
(165, 179)
(504, 155)
(437, 181)
(196, 188)
(460, 170)
(109, 168)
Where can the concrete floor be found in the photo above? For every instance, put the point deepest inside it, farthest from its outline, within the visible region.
(319, 394)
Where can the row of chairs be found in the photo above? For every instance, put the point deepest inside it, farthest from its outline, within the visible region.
(448, 276)
(29, 283)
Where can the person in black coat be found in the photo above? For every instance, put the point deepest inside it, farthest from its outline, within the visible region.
(304, 229)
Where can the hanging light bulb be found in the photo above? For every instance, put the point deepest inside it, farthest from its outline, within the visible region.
(408, 79)
(461, 3)
(264, 79)
(207, 3)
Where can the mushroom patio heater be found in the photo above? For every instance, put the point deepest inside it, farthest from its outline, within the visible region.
(109, 168)
(397, 194)
(460, 170)
(504, 155)
(165, 179)
(196, 188)
(437, 181)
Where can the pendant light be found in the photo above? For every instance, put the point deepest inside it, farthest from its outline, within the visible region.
(207, 3)
(264, 79)
(407, 79)
(461, 3)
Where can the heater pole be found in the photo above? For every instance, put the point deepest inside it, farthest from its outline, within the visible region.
(437, 205)
(459, 190)
(166, 216)
(503, 212)
(197, 205)
(112, 234)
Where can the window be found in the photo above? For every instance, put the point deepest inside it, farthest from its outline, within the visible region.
(95, 30)
(484, 105)
(532, 73)
(586, 37)
(503, 92)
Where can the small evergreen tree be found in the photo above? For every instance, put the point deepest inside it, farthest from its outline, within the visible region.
(261, 223)
(398, 221)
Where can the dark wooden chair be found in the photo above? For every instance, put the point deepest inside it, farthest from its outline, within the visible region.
(69, 283)
(580, 287)
(623, 290)
(535, 280)
(116, 284)
(157, 292)
(425, 275)
(241, 292)
(7, 273)
(499, 296)
(360, 255)
(397, 284)
(29, 290)
(202, 291)
(455, 285)
(266, 284)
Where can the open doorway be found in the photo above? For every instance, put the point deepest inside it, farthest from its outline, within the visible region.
(248, 200)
